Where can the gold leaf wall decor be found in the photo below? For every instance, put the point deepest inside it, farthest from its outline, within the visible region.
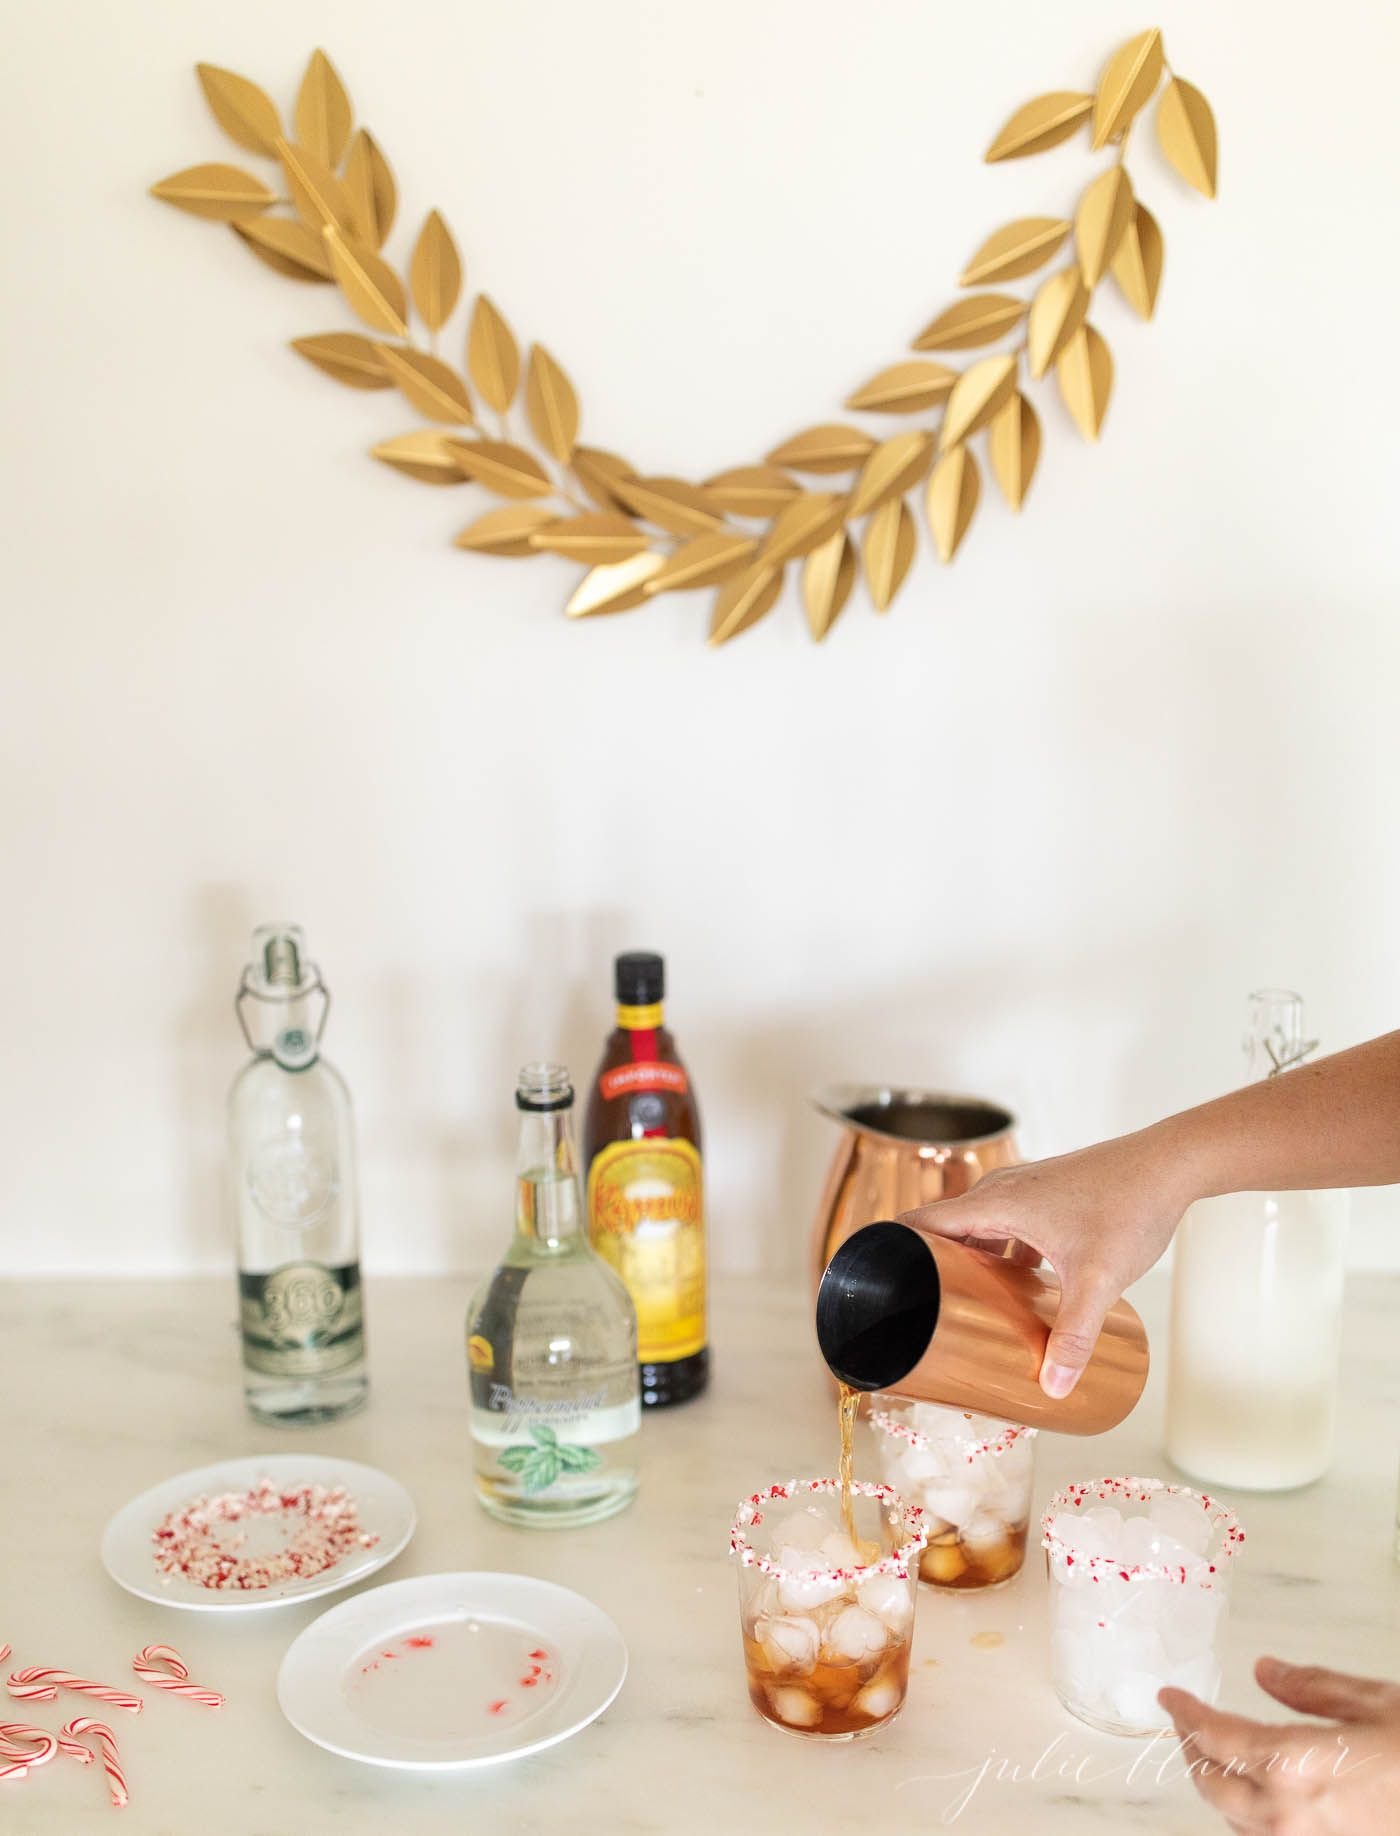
(348, 357)
(369, 185)
(1019, 248)
(1085, 373)
(435, 273)
(287, 246)
(1041, 124)
(507, 531)
(1137, 266)
(1129, 78)
(1013, 446)
(828, 574)
(325, 215)
(1186, 131)
(246, 113)
(888, 551)
(224, 193)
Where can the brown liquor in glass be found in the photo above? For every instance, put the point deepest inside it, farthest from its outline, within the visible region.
(646, 1210)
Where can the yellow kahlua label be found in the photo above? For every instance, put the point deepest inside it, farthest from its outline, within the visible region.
(646, 1217)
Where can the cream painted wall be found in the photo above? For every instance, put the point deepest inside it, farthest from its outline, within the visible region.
(1034, 833)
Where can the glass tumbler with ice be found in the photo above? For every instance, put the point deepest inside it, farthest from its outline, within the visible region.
(1139, 1574)
(973, 1475)
(827, 1617)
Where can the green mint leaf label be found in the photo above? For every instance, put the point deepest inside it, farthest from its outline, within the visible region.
(543, 1434)
(540, 1470)
(578, 1459)
(513, 1458)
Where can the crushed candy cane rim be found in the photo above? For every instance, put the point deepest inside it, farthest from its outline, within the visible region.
(1200, 1573)
(323, 1523)
(897, 1562)
(887, 1422)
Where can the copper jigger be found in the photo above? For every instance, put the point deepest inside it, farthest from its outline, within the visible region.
(926, 1317)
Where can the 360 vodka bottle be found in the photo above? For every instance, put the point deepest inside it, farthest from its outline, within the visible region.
(552, 1342)
(292, 1155)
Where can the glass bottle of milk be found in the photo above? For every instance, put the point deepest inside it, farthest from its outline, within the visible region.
(1256, 1310)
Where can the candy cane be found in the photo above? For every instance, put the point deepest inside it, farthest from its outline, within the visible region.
(39, 1685)
(164, 1668)
(107, 1741)
(18, 1740)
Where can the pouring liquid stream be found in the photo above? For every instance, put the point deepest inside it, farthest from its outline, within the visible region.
(847, 1406)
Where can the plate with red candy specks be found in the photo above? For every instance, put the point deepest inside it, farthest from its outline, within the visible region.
(264, 1531)
(447, 1672)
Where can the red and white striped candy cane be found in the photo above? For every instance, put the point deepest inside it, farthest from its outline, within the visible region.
(28, 1746)
(163, 1668)
(37, 1684)
(107, 1743)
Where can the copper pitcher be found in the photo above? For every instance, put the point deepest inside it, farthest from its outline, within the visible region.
(900, 1149)
(924, 1316)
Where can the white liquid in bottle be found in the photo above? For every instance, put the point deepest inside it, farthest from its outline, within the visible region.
(1256, 1315)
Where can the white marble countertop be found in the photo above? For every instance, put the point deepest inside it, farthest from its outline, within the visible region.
(111, 1386)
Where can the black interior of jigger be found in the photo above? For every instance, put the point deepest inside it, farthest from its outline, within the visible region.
(877, 1306)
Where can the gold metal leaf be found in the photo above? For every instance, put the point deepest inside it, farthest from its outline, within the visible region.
(1041, 124)
(323, 115)
(895, 464)
(551, 405)
(224, 193)
(288, 246)
(1057, 312)
(435, 272)
(980, 320)
(595, 536)
(492, 355)
(669, 503)
(321, 200)
(615, 587)
(905, 388)
(1013, 446)
(371, 287)
(888, 551)
(595, 469)
(953, 491)
(348, 357)
(983, 390)
(1128, 80)
(501, 467)
(1105, 211)
(1085, 375)
(801, 526)
(751, 490)
(369, 184)
(1137, 267)
(433, 387)
(828, 448)
(422, 454)
(702, 561)
(1186, 131)
(245, 112)
(742, 601)
(506, 531)
(828, 574)
(1016, 249)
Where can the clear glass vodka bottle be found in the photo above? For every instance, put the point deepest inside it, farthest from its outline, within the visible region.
(292, 1158)
(552, 1342)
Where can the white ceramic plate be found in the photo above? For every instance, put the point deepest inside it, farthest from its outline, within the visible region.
(385, 1511)
(446, 1672)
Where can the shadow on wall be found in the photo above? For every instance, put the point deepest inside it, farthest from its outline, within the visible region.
(964, 1033)
(207, 1053)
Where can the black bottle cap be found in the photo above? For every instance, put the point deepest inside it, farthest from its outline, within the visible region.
(639, 978)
